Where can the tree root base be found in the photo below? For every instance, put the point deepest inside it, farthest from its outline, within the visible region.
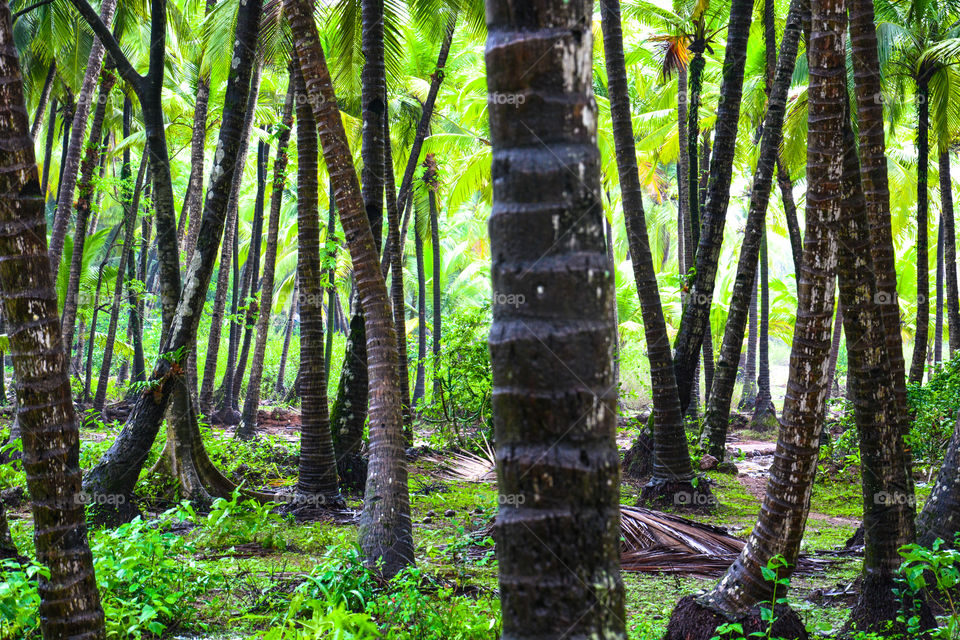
(683, 495)
(638, 461)
(352, 469)
(877, 609)
(691, 620)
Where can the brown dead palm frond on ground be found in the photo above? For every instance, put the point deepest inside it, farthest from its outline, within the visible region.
(464, 466)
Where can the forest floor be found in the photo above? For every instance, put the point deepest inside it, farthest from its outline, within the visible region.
(237, 577)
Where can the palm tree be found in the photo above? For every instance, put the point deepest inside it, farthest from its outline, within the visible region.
(744, 287)
(119, 468)
(318, 468)
(432, 183)
(949, 251)
(922, 79)
(697, 303)
(673, 480)
(248, 424)
(386, 535)
(938, 518)
(784, 509)
(558, 521)
(69, 600)
(78, 128)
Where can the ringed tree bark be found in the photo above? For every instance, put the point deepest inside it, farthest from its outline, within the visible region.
(887, 492)
(673, 479)
(386, 535)
(786, 504)
(118, 470)
(725, 375)
(78, 128)
(697, 302)
(940, 517)
(949, 252)
(554, 390)
(69, 599)
(923, 266)
(318, 468)
(248, 424)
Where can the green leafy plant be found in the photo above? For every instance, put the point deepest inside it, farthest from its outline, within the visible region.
(924, 574)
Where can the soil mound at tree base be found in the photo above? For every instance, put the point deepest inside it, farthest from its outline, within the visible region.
(693, 621)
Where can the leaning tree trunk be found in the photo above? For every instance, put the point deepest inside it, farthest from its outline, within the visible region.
(724, 380)
(696, 305)
(887, 492)
(85, 191)
(248, 424)
(318, 467)
(949, 253)
(673, 479)
(923, 266)
(555, 395)
(386, 535)
(118, 469)
(69, 600)
(78, 128)
(786, 504)
(44, 97)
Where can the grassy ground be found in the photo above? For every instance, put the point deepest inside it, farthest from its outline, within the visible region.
(241, 567)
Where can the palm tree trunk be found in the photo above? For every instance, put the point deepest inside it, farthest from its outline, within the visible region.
(119, 468)
(318, 468)
(790, 213)
(333, 303)
(44, 97)
(69, 600)
(385, 528)
(949, 252)
(685, 239)
(193, 200)
(833, 386)
(887, 491)
(126, 255)
(419, 387)
(785, 506)
(548, 191)
(748, 397)
(396, 282)
(66, 118)
(938, 321)
(288, 331)
(85, 192)
(78, 128)
(248, 425)
(923, 266)
(764, 415)
(696, 305)
(253, 278)
(48, 146)
(430, 179)
(672, 480)
(405, 196)
(876, 187)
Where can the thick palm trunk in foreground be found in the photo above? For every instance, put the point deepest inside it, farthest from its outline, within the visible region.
(672, 480)
(386, 534)
(554, 390)
(786, 504)
(69, 600)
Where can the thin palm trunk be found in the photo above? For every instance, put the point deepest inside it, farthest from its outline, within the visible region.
(78, 128)
(126, 254)
(318, 468)
(721, 392)
(248, 425)
(748, 395)
(938, 318)
(48, 146)
(764, 414)
(430, 179)
(44, 97)
(386, 534)
(786, 503)
(949, 253)
(420, 384)
(923, 267)
(85, 194)
(333, 303)
(672, 480)
(66, 118)
(69, 599)
(833, 386)
(287, 333)
(696, 305)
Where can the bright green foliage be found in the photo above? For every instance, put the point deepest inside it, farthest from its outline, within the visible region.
(934, 407)
(928, 574)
